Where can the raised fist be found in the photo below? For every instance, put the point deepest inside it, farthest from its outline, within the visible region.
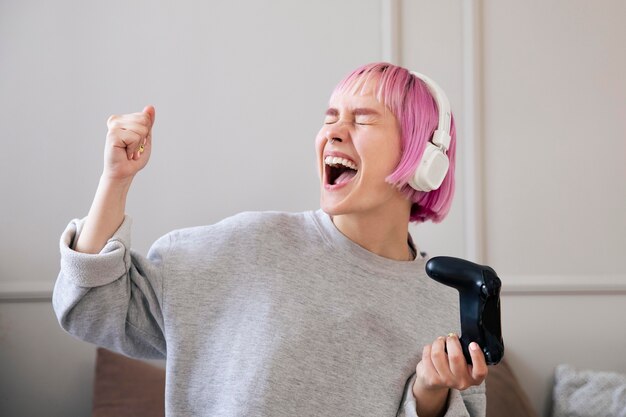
(128, 144)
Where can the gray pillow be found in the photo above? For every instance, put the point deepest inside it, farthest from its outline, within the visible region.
(588, 393)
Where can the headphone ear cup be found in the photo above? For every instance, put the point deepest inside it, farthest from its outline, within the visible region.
(431, 170)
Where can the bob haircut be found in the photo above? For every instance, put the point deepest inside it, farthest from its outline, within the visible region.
(410, 101)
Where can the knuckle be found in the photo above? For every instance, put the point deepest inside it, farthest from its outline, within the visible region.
(456, 356)
(426, 357)
(481, 373)
(449, 382)
(462, 386)
(439, 354)
(434, 381)
(112, 134)
(460, 383)
(114, 130)
(112, 118)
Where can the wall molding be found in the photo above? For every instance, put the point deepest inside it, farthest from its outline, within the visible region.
(512, 285)
(471, 125)
(13, 291)
(563, 284)
(390, 31)
(472, 132)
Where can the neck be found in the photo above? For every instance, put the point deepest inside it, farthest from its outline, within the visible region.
(379, 233)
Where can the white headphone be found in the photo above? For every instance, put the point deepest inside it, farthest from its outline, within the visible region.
(433, 167)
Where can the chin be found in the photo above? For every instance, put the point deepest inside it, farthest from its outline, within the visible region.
(332, 209)
(329, 209)
(338, 208)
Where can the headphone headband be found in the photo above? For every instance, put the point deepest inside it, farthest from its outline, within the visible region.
(441, 136)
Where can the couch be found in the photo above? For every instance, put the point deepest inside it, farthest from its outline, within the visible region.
(125, 387)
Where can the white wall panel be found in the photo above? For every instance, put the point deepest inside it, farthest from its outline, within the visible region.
(555, 136)
(240, 88)
(438, 53)
(555, 183)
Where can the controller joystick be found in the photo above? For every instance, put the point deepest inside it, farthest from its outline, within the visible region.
(479, 295)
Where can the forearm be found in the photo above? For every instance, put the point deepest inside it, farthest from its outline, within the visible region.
(105, 215)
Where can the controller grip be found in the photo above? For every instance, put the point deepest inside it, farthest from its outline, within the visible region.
(479, 299)
(456, 272)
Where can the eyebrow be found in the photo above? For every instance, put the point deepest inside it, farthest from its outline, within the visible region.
(359, 111)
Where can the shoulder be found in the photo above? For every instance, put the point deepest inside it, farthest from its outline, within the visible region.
(245, 225)
(268, 219)
(264, 222)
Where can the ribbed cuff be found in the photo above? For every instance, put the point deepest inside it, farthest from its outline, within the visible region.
(94, 270)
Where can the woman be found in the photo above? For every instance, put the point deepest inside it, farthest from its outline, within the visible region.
(322, 313)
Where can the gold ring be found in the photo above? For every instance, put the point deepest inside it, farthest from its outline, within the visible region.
(141, 148)
(451, 334)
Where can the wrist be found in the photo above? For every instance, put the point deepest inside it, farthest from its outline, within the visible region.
(112, 183)
(430, 401)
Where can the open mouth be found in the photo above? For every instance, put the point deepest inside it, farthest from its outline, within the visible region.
(339, 170)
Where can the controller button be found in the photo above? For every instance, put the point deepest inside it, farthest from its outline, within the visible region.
(484, 290)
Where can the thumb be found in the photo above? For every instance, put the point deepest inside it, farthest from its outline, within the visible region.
(150, 111)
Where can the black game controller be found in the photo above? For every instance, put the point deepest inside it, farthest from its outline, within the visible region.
(479, 293)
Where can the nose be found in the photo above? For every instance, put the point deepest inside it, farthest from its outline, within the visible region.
(337, 132)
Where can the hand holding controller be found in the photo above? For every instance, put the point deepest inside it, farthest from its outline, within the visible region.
(479, 293)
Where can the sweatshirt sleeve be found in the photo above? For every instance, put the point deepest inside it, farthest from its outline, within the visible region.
(113, 299)
(469, 403)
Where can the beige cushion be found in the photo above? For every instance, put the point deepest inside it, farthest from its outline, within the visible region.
(126, 387)
(505, 396)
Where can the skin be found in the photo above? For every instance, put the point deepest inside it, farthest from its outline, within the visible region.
(367, 210)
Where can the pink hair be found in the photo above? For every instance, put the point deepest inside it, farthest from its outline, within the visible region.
(409, 99)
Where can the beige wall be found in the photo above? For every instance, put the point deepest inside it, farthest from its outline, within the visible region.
(543, 122)
(554, 114)
(240, 89)
(555, 136)
(536, 88)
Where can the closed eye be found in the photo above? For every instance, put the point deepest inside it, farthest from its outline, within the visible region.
(360, 116)
(363, 121)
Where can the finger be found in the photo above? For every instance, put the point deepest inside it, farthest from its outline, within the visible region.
(124, 136)
(151, 112)
(145, 143)
(428, 365)
(142, 119)
(140, 129)
(440, 359)
(124, 139)
(478, 369)
(456, 359)
(140, 149)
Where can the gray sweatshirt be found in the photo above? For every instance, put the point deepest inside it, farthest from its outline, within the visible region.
(263, 314)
